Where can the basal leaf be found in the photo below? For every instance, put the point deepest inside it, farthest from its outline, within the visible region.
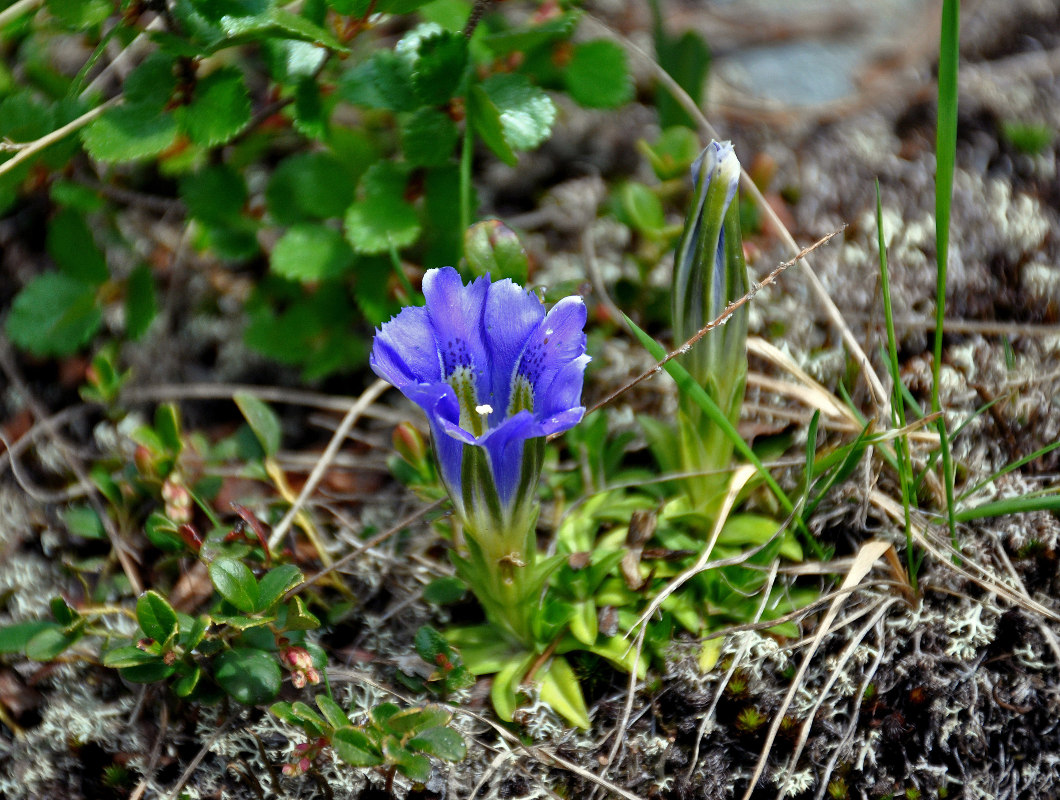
(561, 690)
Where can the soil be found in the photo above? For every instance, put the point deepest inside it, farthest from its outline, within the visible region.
(954, 693)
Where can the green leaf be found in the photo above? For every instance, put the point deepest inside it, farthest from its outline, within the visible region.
(80, 14)
(355, 748)
(529, 37)
(129, 133)
(505, 684)
(62, 612)
(156, 616)
(383, 219)
(413, 720)
(276, 22)
(332, 712)
(275, 583)
(140, 303)
(193, 630)
(215, 194)
(152, 83)
(264, 422)
(598, 76)
(235, 583)
(414, 767)
(187, 683)
(485, 118)
(249, 675)
(220, 108)
(310, 253)
(444, 743)
(71, 246)
(162, 533)
(83, 521)
(14, 638)
(48, 643)
(310, 112)
(443, 591)
(298, 617)
(54, 315)
(643, 208)
(439, 67)
(307, 716)
(309, 186)
(428, 138)
(241, 623)
(526, 112)
(561, 690)
(128, 656)
(148, 673)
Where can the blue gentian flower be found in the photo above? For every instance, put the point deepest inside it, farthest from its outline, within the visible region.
(494, 373)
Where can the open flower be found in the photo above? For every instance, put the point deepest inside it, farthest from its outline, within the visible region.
(491, 370)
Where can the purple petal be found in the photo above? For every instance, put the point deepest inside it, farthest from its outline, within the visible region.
(455, 313)
(563, 392)
(504, 445)
(511, 315)
(404, 349)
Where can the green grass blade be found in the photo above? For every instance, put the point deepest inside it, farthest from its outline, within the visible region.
(1011, 505)
(945, 157)
(1010, 467)
(901, 444)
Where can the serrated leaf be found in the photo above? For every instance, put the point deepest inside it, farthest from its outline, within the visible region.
(485, 117)
(249, 675)
(428, 138)
(14, 638)
(235, 583)
(140, 303)
(74, 250)
(84, 521)
(48, 643)
(355, 748)
(275, 22)
(275, 583)
(129, 133)
(311, 253)
(444, 743)
(220, 108)
(310, 113)
(265, 424)
(561, 690)
(54, 315)
(439, 67)
(332, 711)
(383, 219)
(309, 186)
(526, 112)
(156, 616)
(531, 36)
(597, 75)
(151, 83)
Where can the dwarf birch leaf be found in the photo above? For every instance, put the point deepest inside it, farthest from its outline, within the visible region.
(54, 315)
(129, 133)
(439, 67)
(75, 252)
(526, 112)
(310, 253)
(598, 76)
(220, 108)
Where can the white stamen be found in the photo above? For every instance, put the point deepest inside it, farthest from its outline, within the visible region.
(548, 332)
(484, 409)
